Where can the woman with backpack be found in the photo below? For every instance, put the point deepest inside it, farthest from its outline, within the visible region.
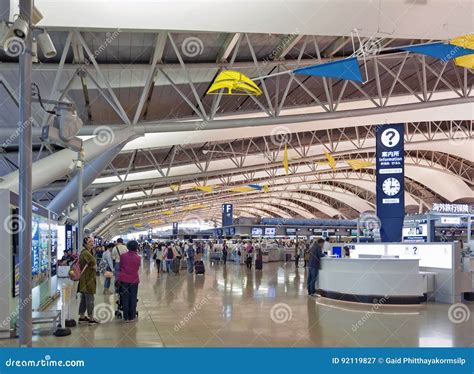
(87, 282)
(169, 255)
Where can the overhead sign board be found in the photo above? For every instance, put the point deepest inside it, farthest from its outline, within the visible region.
(390, 192)
(227, 214)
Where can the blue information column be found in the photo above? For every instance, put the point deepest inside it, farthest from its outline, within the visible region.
(227, 214)
(175, 228)
(390, 181)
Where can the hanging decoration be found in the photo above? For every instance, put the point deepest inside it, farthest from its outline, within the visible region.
(242, 189)
(285, 160)
(204, 188)
(440, 50)
(359, 164)
(235, 83)
(174, 187)
(264, 188)
(347, 69)
(231, 82)
(331, 161)
(466, 41)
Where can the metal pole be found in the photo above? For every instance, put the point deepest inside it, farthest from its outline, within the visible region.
(25, 183)
(80, 168)
(469, 228)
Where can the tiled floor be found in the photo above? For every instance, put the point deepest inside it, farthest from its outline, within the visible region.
(231, 306)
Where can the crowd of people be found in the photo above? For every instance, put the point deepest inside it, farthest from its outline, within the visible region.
(122, 263)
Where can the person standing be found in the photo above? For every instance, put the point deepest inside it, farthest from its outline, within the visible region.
(314, 264)
(118, 250)
(225, 251)
(306, 254)
(169, 256)
(297, 254)
(107, 258)
(129, 280)
(190, 257)
(249, 258)
(87, 283)
(157, 255)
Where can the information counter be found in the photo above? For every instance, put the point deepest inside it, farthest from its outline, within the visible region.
(370, 280)
(399, 273)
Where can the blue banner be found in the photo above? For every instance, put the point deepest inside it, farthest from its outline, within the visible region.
(229, 360)
(390, 172)
(227, 214)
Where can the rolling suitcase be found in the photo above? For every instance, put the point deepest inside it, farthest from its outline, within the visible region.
(258, 264)
(183, 264)
(199, 267)
(176, 265)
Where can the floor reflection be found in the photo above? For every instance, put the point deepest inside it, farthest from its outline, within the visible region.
(233, 306)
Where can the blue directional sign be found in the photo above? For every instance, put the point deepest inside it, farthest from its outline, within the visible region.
(175, 228)
(227, 214)
(390, 181)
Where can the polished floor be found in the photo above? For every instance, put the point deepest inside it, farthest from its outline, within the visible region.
(233, 307)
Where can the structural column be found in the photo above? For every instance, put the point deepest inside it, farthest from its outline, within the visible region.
(25, 183)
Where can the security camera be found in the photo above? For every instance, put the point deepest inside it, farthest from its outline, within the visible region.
(68, 122)
(20, 28)
(46, 45)
(4, 31)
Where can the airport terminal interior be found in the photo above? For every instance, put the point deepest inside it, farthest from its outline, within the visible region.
(270, 174)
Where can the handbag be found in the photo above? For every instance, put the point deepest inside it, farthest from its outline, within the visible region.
(108, 274)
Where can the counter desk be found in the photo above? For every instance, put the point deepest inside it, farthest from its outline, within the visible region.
(373, 280)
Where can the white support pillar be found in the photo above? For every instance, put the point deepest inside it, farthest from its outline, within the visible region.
(61, 163)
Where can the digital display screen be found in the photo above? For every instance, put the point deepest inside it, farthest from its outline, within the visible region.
(291, 231)
(54, 249)
(230, 231)
(270, 231)
(257, 231)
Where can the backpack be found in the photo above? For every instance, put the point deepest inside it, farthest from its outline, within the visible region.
(169, 254)
(75, 271)
(190, 251)
(102, 267)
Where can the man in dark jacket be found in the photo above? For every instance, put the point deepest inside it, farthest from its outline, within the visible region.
(314, 264)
